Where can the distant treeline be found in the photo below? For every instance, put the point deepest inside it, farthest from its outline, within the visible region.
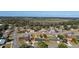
(38, 21)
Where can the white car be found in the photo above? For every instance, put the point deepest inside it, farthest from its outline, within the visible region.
(2, 41)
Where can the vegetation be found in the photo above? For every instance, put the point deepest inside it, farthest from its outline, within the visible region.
(45, 36)
(62, 45)
(75, 40)
(26, 46)
(42, 45)
(61, 36)
(7, 46)
(41, 36)
(38, 23)
(23, 46)
(1, 34)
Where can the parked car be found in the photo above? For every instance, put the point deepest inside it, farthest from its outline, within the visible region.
(2, 41)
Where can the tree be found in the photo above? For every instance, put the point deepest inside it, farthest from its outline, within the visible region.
(66, 27)
(5, 26)
(61, 36)
(41, 36)
(45, 36)
(1, 34)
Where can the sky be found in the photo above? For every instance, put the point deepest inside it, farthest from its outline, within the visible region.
(41, 13)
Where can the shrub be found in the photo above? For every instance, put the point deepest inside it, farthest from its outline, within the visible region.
(75, 40)
(44, 35)
(26, 46)
(23, 46)
(42, 45)
(61, 36)
(62, 45)
(41, 36)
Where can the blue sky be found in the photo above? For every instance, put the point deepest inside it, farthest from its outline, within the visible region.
(41, 13)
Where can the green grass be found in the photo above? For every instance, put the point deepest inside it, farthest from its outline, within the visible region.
(51, 36)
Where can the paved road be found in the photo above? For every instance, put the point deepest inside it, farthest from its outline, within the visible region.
(15, 37)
